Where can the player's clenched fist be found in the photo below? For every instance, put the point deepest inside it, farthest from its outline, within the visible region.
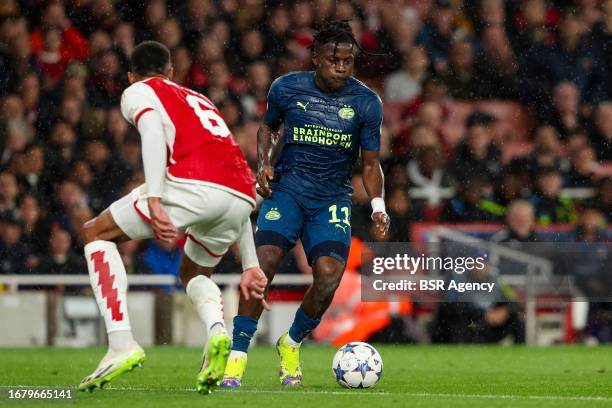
(382, 222)
(264, 175)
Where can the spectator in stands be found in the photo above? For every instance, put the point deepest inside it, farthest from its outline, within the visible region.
(34, 232)
(574, 142)
(519, 226)
(15, 256)
(9, 190)
(219, 83)
(73, 45)
(182, 63)
(477, 156)
(277, 29)
(467, 206)
(29, 91)
(50, 61)
(254, 100)
(61, 149)
(584, 168)
(564, 115)
(602, 138)
(107, 169)
(510, 187)
(154, 15)
(460, 77)
(410, 140)
(130, 155)
(160, 258)
(107, 82)
(433, 90)
(405, 84)
(403, 212)
(477, 317)
(550, 206)
(123, 38)
(170, 34)
(427, 171)
(603, 200)
(60, 258)
(572, 59)
(116, 127)
(436, 35)
(602, 40)
(34, 177)
(546, 151)
(496, 66)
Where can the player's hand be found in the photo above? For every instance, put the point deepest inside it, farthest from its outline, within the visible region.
(382, 222)
(253, 283)
(264, 175)
(497, 316)
(163, 229)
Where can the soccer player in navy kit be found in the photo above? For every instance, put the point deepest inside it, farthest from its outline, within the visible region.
(330, 118)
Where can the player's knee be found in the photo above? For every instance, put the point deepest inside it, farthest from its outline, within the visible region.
(270, 258)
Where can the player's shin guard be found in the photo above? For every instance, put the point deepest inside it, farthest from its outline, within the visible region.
(109, 283)
(206, 297)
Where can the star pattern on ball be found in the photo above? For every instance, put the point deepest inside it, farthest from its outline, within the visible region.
(339, 373)
(363, 368)
(349, 348)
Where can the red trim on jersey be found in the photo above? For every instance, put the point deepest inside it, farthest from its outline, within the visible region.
(189, 236)
(142, 215)
(139, 114)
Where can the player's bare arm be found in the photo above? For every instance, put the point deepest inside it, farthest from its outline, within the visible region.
(374, 181)
(267, 138)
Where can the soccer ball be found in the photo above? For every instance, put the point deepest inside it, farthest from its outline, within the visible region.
(357, 365)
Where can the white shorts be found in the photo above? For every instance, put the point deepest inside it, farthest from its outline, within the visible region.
(211, 218)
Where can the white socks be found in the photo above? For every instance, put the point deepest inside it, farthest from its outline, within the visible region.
(235, 354)
(109, 283)
(121, 340)
(206, 297)
(289, 341)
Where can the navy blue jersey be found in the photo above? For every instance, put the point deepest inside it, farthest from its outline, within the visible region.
(323, 133)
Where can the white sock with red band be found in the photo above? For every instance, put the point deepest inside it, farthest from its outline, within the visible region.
(206, 297)
(109, 283)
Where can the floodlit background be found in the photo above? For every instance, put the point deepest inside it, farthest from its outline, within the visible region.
(498, 126)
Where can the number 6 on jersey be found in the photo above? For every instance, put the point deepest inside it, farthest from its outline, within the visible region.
(219, 128)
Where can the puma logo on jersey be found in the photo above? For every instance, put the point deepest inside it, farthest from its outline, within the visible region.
(342, 227)
(301, 105)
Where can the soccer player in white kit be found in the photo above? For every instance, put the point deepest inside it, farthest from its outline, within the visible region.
(197, 181)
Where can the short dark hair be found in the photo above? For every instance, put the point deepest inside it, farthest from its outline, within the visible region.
(335, 32)
(150, 58)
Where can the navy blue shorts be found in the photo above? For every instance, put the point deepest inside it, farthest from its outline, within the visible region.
(324, 227)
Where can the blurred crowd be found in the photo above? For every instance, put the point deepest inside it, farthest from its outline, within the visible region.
(66, 152)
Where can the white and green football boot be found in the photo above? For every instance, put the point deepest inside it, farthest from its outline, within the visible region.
(113, 365)
(214, 362)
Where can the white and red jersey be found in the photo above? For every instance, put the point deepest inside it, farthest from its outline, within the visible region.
(201, 149)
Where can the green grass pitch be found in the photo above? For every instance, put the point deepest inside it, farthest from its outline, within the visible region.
(414, 376)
